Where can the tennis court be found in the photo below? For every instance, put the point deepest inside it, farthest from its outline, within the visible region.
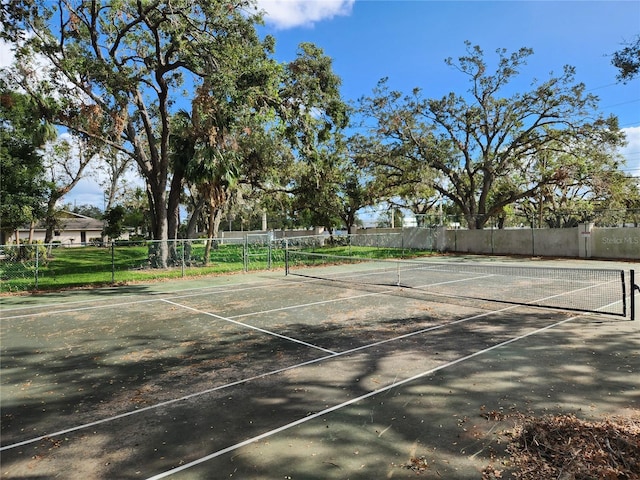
(334, 371)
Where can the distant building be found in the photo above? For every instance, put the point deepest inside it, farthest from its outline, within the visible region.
(73, 230)
(409, 220)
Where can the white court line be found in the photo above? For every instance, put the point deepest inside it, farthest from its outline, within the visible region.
(273, 372)
(335, 300)
(310, 304)
(268, 332)
(135, 302)
(231, 288)
(161, 404)
(81, 309)
(349, 402)
(249, 379)
(227, 288)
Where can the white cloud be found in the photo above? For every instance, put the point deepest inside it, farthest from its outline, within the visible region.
(86, 192)
(90, 189)
(294, 13)
(6, 54)
(632, 151)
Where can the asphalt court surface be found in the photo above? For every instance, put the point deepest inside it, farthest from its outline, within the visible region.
(209, 379)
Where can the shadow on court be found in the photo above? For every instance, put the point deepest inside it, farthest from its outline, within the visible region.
(33, 304)
(447, 424)
(177, 387)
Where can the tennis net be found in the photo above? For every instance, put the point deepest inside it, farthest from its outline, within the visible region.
(580, 289)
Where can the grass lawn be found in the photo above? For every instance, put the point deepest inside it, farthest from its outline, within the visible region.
(91, 266)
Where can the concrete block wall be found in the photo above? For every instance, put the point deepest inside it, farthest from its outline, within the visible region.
(585, 241)
(623, 243)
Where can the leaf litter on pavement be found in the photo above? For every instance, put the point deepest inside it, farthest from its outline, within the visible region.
(565, 447)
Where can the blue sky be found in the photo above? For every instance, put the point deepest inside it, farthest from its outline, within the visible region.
(408, 41)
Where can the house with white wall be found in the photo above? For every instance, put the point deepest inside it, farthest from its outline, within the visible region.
(73, 230)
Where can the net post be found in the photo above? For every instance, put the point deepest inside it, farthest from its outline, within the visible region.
(113, 261)
(286, 260)
(634, 287)
(37, 266)
(624, 293)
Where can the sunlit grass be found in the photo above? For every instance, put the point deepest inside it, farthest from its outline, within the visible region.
(95, 266)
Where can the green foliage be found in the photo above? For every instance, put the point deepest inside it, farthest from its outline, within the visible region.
(137, 214)
(23, 187)
(115, 218)
(627, 61)
(311, 107)
(484, 151)
(120, 89)
(86, 210)
(251, 118)
(330, 191)
(325, 185)
(25, 252)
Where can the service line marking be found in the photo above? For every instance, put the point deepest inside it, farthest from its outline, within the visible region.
(252, 327)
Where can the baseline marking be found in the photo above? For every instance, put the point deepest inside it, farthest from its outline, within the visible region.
(147, 300)
(122, 304)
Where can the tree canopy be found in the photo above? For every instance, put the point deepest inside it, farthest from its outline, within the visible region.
(627, 60)
(119, 71)
(191, 94)
(485, 151)
(118, 68)
(24, 187)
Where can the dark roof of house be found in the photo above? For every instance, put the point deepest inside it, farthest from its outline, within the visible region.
(81, 224)
(72, 221)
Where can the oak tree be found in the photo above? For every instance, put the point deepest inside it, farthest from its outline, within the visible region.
(24, 184)
(118, 69)
(487, 146)
(627, 60)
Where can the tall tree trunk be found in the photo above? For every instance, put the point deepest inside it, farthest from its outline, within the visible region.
(195, 216)
(173, 214)
(191, 226)
(160, 229)
(215, 217)
(216, 221)
(32, 228)
(210, 235)
(173, 208)
(50, 219)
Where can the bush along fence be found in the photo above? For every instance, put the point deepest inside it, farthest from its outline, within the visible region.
(27, 267)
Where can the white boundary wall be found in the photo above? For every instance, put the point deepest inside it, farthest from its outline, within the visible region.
(615, 243)
(585, 241)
